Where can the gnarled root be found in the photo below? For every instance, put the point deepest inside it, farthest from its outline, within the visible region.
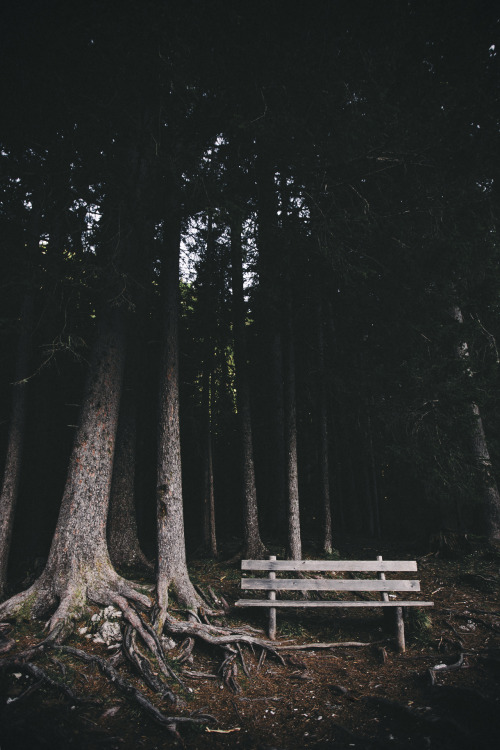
(186, 595)
(143, 666)
(169, 722)
(29, 603)
(69, 593)
(41, 677)
(229, 640)
(229, 670)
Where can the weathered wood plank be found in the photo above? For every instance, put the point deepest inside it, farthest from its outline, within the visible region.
(272, 597)
(328, 584)
(331, 565)
(381, 577)
(289, 603)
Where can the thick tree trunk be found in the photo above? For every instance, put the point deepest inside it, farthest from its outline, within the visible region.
(491, 495)
(123, 541)
(15, 444)
(172, 567)
(252, 546)
(78, 568)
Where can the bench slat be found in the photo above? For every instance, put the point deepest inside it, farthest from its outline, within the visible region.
(328, 584)
(289, 603)
(331, 565)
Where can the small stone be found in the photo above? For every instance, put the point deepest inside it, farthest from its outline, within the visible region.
(110, 633)
(110, 712)
(111, 613)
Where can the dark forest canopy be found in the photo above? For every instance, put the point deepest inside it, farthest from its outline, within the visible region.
(330, 174)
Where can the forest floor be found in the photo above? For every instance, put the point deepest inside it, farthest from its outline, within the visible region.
(366, 697)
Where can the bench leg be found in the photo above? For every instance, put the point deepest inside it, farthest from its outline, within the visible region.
(400, 629)
(272, 611)
(272, 624)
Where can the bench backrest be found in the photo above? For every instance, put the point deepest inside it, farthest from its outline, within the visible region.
(380, 567)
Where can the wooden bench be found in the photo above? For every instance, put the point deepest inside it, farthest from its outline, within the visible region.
(380, 567)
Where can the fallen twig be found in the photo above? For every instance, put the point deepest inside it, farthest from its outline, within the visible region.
(339, 644)
(199, 675)
(275, 698)
(449, 667)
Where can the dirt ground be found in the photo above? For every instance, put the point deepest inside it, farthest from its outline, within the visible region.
(365, 696)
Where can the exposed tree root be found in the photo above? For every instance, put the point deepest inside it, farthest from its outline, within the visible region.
(185, 592)
(143, 666)
(229, 639)
(70, 596)
(169, 722)
(141, 638)
(186, 650)
(338, 644)
(41, 677)
(229, 671)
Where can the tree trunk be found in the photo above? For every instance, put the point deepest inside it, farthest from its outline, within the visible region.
(209, 530)
(323, 440)
(78, 568)
(252, 547)
(15, 444)
(172, 567)
(270, 307)
(294, 535)
(208, 297)
(375, 504)
(491, 496)
(278, 458)
(481, 454)
(123, 541)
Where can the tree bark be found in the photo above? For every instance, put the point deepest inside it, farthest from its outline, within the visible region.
(294, 535)
(372, 469)
(123, 540)
(270, 297)
(15, 444)
(253, 546)
(209, 307)
(491, 496)
(323, 440)
(172, 567)
(209, 528)
(481, 454)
